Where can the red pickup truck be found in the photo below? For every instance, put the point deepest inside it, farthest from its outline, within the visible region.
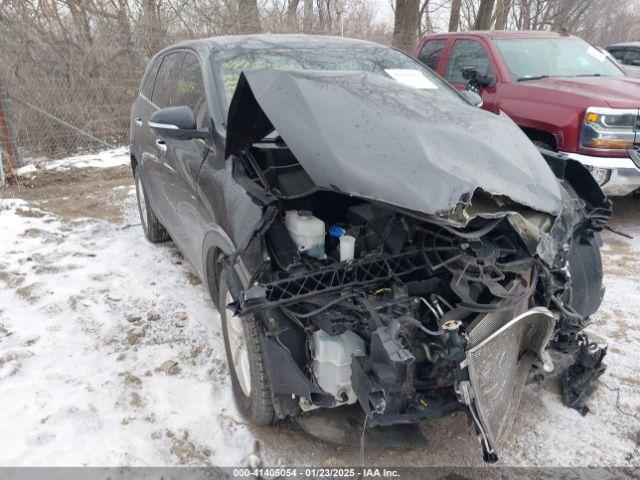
(565, 94)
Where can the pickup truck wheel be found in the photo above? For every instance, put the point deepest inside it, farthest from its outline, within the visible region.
(245, 357)
(153, 229)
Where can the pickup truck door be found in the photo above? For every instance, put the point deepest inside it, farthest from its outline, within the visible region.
(468, 52)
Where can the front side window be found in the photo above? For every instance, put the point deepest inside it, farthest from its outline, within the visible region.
(382, 61)
(431, 53)
(528, 58)
(165, 88)
(190, 89)
(466, 53)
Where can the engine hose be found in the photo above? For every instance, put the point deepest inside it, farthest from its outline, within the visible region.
(566, 311)
(416, 323)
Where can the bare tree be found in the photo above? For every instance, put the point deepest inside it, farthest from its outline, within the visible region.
(485, 11)
(249, 18)
(454, 16)
(292, 14)
(307, 19)
(406, 24)
(502, 14)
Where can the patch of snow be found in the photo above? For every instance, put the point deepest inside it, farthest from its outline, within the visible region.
(89, 312)
(104, 159)
(27, 170)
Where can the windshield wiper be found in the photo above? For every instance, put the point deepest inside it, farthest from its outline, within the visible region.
(538, 77)
(590, 75)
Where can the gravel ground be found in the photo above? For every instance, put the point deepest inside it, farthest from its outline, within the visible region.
(111, 352)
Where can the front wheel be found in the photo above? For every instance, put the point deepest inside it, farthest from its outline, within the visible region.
(153, 229)
(245, 357)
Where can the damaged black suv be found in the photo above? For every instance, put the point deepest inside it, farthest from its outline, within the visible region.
(368, 235)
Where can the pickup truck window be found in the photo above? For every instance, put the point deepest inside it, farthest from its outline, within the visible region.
(466, 53)
(431, 53)
(529, 59)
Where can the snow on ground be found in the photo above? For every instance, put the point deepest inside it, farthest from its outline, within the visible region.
(103, 159)
(111, 354)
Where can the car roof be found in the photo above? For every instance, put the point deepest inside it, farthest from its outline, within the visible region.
(270, 41)
(505, 34)
(626, 44)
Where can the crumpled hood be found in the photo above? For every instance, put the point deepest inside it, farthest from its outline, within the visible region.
(372, 137)
(615, 92)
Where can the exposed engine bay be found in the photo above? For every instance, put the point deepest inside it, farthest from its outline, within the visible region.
(415, 315)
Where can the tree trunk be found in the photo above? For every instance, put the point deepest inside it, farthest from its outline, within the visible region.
(502, 14)
(292, 15)
(483, 20)
(406, 24)
(153, 30)
(249, 19)
(307, 19)
(454, 16)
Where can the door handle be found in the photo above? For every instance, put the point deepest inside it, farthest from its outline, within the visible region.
(162, 146)
(138, 121)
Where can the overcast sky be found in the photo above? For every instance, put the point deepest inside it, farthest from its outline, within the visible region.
(385, 12)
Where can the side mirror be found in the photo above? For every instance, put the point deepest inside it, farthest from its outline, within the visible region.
(469, 73)
(477, 79)
(473, 98)
(636, 62)
(176, 122)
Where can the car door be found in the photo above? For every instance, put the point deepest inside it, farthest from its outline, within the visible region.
(142, 139)
(159, 171)
(186, 158)
(467, 52)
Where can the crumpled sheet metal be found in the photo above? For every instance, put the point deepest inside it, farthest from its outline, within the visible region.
(499, 364)
(372, 137)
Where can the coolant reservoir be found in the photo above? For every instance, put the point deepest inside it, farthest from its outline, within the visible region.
(332, 363)
(306, 231)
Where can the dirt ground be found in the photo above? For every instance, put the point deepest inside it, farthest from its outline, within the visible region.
(79, 264)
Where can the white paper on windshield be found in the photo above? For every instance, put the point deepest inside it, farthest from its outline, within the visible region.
(413, 78)
(595, 53)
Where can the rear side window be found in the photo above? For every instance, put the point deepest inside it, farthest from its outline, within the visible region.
(466, 53)
(147, 83)
(166, 85)
(431, 53)
(190, 89)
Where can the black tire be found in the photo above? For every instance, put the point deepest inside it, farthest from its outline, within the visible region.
(153, 229)
(258, 405)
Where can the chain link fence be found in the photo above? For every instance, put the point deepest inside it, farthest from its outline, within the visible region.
(55, 121)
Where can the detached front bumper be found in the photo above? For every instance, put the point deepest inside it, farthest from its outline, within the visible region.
(618, 176)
